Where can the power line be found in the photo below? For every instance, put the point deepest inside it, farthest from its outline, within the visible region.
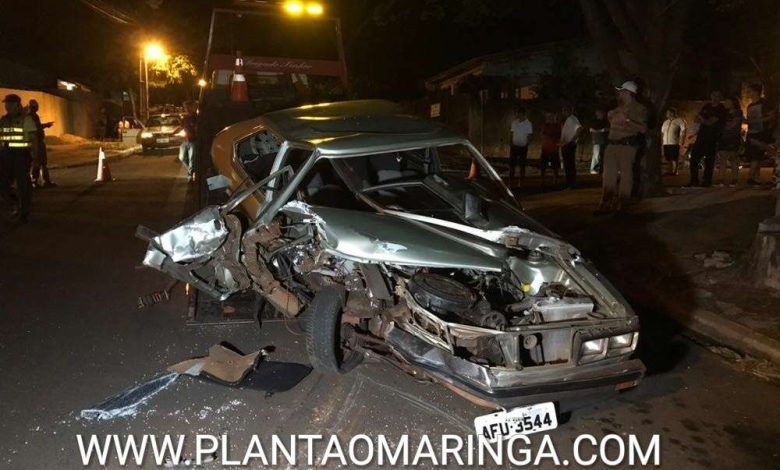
(109, 12)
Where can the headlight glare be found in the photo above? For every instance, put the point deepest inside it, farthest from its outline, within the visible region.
(621, 341)
(593, 350)
(593, 346)
(146, 135)
(623, 344)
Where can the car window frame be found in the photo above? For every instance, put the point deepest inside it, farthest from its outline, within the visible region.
(239, 165)
(285, 194)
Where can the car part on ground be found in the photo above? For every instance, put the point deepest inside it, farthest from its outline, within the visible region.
(128, 402)
(223, 364)
(377, 226)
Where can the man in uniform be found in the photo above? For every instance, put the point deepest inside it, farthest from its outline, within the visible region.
(18, 142)
(627, 123)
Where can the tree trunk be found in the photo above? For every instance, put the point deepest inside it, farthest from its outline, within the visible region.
(651, 179)
(641, 39)
(764, 261)
(764, 257)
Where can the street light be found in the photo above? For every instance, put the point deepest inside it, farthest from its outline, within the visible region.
(293, 8)
(298, 8)
(154, 51)
(202, 82)
(151, 51)
(314, 9)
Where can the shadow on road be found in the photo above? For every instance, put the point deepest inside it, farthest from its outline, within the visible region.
(642, 268)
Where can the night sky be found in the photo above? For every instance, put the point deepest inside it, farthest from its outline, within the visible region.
(391, 45)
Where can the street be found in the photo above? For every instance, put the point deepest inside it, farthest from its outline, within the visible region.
(71, 335)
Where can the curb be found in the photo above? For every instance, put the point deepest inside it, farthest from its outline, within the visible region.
(734, 335)
(122, 154)
(721, 330)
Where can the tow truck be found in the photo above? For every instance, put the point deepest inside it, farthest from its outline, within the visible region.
(292, 54)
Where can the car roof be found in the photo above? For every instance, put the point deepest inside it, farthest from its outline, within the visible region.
(355, 127)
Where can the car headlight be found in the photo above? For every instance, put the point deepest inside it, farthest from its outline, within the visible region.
(599, 348)
(623, 344)
(146, 135)
(593, 350)
(182, 133)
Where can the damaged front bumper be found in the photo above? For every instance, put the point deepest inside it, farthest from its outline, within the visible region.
(490, 386)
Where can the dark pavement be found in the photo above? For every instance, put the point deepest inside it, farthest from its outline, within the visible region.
(71, 335)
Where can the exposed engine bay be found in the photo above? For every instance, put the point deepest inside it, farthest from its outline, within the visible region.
(512, 318)
(538, 310)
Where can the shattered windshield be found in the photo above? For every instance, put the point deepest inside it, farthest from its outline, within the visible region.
(432, 181)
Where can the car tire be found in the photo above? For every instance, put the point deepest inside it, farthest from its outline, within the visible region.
(321, 323)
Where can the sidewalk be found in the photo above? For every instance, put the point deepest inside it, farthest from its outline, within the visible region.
(682, 255)
(82, 154)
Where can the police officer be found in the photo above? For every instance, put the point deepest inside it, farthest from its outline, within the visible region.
(627, 124)
(18, 143)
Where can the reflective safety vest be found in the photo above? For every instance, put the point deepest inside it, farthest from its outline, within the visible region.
(12, 132)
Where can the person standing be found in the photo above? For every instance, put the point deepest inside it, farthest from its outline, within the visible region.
(711, 119)
(758, 132)
(521, 129)
(40, 161)
(673, 132)
(570, 133)
(551, 137)
(598, 134)
(627, 124)
(187, 147)
(730, 141)
(18, 142)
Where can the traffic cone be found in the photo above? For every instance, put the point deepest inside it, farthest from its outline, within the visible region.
(103, 170)
(239, 93)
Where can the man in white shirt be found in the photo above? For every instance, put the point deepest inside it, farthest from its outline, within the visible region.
(673, 131)
(521, 129)
(570, 133)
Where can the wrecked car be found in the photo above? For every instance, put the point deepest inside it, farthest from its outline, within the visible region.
(391, 236)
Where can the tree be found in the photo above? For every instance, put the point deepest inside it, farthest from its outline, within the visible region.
(641, 40)
(171, 70)
(569, 82)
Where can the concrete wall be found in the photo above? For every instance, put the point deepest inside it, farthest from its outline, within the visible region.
(76, 116)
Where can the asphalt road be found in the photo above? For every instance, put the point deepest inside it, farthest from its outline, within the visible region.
(71, 335)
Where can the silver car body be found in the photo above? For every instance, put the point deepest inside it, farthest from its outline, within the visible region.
(537, 320)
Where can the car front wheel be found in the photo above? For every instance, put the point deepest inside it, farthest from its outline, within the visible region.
(324, 340)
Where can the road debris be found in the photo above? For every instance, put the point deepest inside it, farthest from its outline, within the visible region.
(717, 259)
(156, 297)
(128, 401)
(223, 364)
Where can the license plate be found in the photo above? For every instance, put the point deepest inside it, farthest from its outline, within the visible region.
(163, 140)
(524, 420)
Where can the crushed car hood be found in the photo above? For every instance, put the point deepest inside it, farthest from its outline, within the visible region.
(389, 238)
